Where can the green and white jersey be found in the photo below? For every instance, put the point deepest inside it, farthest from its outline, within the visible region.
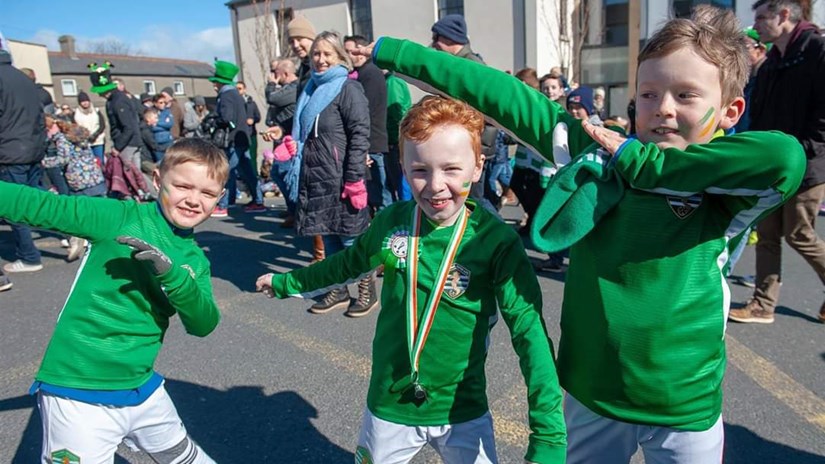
(112, 325)
(490, 270)
(645, 300)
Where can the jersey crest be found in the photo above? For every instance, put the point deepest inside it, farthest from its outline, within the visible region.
(64, 456)
(683, 207)
(458, 279)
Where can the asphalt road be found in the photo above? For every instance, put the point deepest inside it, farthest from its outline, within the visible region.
(275, 383)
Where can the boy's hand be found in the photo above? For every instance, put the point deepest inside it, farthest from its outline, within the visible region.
(610, 140)
(264, 285)
(364, 50)
(157, 261)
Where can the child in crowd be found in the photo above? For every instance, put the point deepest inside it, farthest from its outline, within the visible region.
(96, 385)
(428, 383)
(162, 129)
(642, 351)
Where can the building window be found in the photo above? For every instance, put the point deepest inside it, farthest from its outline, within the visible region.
(149, 87)
(69, 87)
(615, 22)
(361, 13)
(682, 8)
(446, 7)
(178, 86)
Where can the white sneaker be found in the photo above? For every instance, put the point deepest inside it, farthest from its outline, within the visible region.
(64, 243)
(76, 248)
(20, 266)
(5, 284)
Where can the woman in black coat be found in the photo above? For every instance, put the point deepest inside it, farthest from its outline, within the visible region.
(331, 127)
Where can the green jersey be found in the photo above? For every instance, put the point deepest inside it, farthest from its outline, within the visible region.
(645, 300)
(490, 270)
(111, 327)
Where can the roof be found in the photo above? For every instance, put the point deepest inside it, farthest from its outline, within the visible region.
(130, 65)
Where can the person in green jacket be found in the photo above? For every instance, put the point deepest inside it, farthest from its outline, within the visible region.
(398, 103)
(642, 349)
(450, 267)
(96, 385)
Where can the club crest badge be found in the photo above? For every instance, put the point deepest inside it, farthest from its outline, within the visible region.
(397, 244)
(64, 456)
(458, 279)
(683, 207)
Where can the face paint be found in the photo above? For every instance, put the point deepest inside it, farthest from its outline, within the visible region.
(465, 189)
(710, 118)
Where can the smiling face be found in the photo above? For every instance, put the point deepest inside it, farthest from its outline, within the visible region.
(440, 172)
(186, 193)
(679, 101)
(324, 56)
(300, 46)
(552, 88)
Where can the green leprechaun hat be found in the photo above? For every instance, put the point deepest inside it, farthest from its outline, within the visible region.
(225, 72)
(101, 77)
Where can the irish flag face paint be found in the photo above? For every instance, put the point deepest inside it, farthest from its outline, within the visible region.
(465, 189)
(707, 123)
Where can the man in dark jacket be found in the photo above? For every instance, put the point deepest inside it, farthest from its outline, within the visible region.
(45, 97)
(124, 124)
(231, 114)
(22, 146)
(375, 88)
(789, 95)
(450, 36)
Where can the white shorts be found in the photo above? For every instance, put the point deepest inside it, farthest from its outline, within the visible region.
(91, 433)
(382, 442)
(594, 438)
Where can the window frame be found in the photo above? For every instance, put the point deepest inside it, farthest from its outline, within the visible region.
(446, 7)
(182, 90)
(151, 83)
(361, 18)
(73, 83)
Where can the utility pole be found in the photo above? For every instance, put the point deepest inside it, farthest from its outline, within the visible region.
(634, 13)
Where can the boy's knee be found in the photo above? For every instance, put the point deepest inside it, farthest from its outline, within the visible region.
(184, 452)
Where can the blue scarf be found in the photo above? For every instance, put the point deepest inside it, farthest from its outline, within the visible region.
(319, 92)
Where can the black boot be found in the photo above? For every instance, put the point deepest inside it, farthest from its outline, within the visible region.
(367, 298)
(336, 299)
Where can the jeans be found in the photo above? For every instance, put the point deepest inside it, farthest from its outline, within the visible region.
(25, 174)
(335, 243)
(377, 192)
(392, 166)
(278, 174)
(247, 175)
(97, 150)
(58, 180)
(737, 252)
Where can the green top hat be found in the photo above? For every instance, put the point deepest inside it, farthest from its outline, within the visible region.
(101, 77)
(751, 32)
(225, 72)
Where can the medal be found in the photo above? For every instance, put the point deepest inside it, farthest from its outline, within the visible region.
(417, 336)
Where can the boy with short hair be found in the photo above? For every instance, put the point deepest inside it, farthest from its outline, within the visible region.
(429, 387)
(96, 385)
(642, 351)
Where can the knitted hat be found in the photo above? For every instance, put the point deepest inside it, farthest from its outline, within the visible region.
(101, 77)
(583, 96)
(225, 72)
(83, 97)
(168, 91)
(145, 97)
(300, 27)
(199, 100)
(751, 32)
(452, 27)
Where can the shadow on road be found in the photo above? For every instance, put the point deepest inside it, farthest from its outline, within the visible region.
(742, 446)
(785, 311)
(242, 424)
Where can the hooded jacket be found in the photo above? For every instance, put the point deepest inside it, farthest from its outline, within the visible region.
(22, 128)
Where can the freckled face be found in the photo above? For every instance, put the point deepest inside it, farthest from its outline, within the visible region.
(440, 172)
(187, 194)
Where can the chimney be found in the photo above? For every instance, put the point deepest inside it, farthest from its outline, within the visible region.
(67, 46)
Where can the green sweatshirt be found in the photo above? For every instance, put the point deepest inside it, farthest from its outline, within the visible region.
(113, 322)
(490, 271)
(645, 300)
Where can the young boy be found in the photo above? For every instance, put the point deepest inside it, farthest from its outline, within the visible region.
(428, 384)
(96, 385)
(642, 351)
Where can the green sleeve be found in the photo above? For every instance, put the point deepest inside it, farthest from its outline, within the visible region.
(520, 302)
(764, 166)
(80, 216)
(191, 296)
(521, 110)
(398, 102)
(343, 267)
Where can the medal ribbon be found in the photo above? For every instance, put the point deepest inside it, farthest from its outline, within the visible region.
(417, 337)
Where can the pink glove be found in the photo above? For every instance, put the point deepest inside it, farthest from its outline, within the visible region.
(269, 155)
(357, 194)
(286, 150)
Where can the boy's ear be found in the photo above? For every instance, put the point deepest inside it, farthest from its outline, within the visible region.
(730, 114)
(156, 179)
(478, 169)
